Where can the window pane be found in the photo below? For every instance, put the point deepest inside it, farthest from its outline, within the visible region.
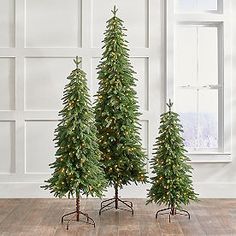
(186, 5)
(207, 5)
(196, 5)
(208, 55)
(208, 119)
(186, 106)
(198, 110)
(185, 59)
(196, 55)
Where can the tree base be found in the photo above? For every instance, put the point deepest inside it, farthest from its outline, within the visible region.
(172, 212)
(106, 205)
(76, 214)
(88, 220)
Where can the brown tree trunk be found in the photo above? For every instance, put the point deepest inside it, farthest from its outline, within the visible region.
(77, 206)
(116, 196)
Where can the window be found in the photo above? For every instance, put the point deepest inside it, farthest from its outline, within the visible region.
(198, 74)
(198, 6)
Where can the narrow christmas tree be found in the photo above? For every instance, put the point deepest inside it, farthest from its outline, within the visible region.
(116, 113)
(171, 183)
(77, 168)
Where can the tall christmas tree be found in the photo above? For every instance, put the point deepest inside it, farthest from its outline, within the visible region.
(171, 183)
(116, 113)
(77, 168)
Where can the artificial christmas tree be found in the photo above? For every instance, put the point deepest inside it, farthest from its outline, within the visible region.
(116, 113)
(77, 169)
(171, 183)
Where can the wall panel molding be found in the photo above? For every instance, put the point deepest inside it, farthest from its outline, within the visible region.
(7, 147)
(53, 24)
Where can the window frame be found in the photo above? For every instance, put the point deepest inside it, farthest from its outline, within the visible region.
(221, 19)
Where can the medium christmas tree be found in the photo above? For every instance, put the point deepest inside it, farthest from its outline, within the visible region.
(77, 168)
(171, 184)
(116, 113)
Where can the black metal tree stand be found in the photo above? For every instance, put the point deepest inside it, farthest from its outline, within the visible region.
(173, 211)
(107, 204)
(76, 215)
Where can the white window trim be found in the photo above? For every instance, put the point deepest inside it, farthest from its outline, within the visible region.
(219, 18)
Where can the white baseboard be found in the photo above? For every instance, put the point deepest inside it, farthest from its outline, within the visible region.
(33, 190)
(216, 190)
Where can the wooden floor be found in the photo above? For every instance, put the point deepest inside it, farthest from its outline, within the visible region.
(42, 217)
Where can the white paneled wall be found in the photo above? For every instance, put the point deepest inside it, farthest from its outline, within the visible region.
(7, 83)
(7, 12)
(45, 78)
(39, 146)
(7, 147)
(134, 13)
(39, 39)
(52, 24)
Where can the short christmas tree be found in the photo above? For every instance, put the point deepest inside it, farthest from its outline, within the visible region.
(171, 183)
(77, 168)
(116, 113)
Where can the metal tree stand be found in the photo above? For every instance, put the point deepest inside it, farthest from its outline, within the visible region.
(173, 211)
(106, 204)
(76, 214)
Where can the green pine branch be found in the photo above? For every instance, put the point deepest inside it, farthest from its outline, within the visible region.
(77, 168)
(117, 110)
(171, 183)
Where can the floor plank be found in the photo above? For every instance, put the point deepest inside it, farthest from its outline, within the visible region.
(26, 217)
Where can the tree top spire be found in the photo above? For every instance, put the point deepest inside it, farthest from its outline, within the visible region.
(114, 10)
(169, 104)
(77, 61)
